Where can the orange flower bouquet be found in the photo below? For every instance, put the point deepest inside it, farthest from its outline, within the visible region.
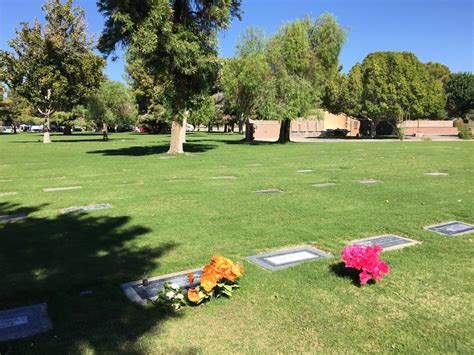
(220, 277)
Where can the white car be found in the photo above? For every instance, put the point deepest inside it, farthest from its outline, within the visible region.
(36, 128)
(7, 129)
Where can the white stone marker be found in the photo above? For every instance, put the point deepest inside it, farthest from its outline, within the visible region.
(437, 174)
(52, 189)
(368, 181)
(325, 184)
(305, 171)
(11, 193)
(170, 157)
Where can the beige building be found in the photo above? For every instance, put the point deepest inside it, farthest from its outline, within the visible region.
(306, 127)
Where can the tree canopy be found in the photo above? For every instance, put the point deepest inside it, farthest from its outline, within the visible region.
(53, 66)
(177, 42)
(390, 86)
(247, 80)
(286, 76)
(113, 103)
(304, 57)
(460, 94)
(439, 71)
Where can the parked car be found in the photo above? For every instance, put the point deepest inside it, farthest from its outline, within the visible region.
(36, 128)
(25, 128)
(333, 133)
(7, 129)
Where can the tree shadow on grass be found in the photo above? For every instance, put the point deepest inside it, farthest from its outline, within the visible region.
(341, 270)
(152, 150)
(54, 259)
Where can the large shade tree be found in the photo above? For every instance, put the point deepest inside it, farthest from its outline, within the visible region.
(247, 81)
(460, 94)
(177, 41)
(304, 57)
(112, 104)
(391, 87)
(53, 66)
(13, 109)
(439, 71)
(150, 94)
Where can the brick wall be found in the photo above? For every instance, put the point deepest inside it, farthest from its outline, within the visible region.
(430, 127)
(302, 127)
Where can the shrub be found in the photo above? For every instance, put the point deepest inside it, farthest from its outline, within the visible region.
(464, 132)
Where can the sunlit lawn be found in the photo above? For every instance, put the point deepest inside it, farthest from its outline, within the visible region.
(169, 215)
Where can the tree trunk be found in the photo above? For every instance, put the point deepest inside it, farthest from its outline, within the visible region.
(248, 131)
(209, 128)
(67, 130)
(105, 132)
(14, 129)
(46, 129)
(176, 144)
(241, 125)
(225, 128)
(284, 131)
(182, 133)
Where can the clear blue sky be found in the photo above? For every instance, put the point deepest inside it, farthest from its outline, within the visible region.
(435, 30)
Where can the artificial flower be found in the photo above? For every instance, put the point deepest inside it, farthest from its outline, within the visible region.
(209, 281)
(193, 295)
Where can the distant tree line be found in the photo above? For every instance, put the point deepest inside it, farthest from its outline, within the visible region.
(174, 74)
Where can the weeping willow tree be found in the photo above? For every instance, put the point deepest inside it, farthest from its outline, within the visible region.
(304, 57)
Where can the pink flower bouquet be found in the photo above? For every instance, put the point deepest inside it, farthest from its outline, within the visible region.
(366, 259)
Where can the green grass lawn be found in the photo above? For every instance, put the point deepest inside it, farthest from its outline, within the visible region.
(169, 215)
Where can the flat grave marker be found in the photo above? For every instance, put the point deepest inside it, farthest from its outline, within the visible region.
(24, 321)
(223, 177)
(143, 290)
(10, 193)
(12, 217)
(54, 178)
(284, 258)
(386, 242)
(66, 188)
(368, 181)
(101, 206)
(437, 174)
(35, 163)
(451, 228)
(269, 191)
(325, 184)
(305, 171)
(170, 157)
(130, 183)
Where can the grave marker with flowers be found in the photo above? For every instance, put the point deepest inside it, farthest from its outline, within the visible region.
(219, 278)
